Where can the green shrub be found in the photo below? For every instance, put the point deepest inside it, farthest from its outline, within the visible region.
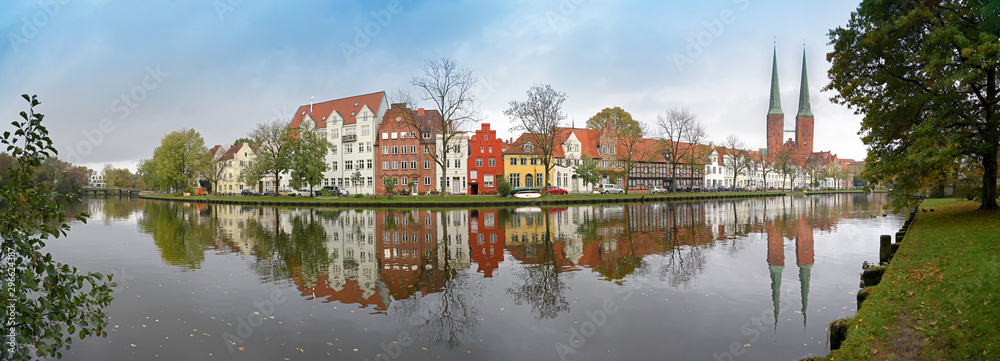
(503, 187)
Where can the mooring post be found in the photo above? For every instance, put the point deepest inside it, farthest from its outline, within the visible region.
(885, 249)
(899, 236)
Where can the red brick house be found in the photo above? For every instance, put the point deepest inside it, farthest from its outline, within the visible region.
(400, 152)
(485, 161)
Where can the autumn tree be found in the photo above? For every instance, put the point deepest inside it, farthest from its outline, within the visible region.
(452, 90)
(539, 118)
(925, 77)
(587, 171)
(630, 138)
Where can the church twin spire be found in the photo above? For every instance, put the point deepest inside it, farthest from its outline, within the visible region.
(775, 102)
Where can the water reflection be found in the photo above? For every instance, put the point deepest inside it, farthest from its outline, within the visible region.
(423, 268)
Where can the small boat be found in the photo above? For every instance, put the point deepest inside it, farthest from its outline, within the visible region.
(524, 210)
(527, 195)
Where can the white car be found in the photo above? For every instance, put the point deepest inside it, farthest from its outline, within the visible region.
(609, 188)
(304, 192)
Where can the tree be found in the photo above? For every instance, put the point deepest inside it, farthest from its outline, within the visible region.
(356, 179)
(48, 302)
(587, 171)
(6, 164)
(241, 141)
(765, 160)
(452, 90)
(698, 155)
(785, 163)
(674, 127)
(539, 118)
(118, 177)
(273, 155)
(218, 168)
(390, 185)
(630, 138)
(503, 187)
(308, 164)
(926, 80)
(78, 177)
(146, 170)
(180, 158)
(738, 160)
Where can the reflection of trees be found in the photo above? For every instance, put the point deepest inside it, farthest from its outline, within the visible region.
(542, 287)
(449, 317)
(280, 255)
(180, 234)
(685, 260)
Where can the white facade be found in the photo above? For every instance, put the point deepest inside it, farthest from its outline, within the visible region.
(457, 167)
(96, 180)
(564, 171)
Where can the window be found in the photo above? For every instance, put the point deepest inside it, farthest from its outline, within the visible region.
(385, 150)
(385, 135)
(335, 134)
(413, 135)
(413, 149)
(481, 150)
(370, 181)
(493, 162)
(348, 165)
(612, 150)
(524, 161)
(534, 161)
(491, 149)
(365, 129)
(333, 149)
(402, 150)
(604, 149)
(413, 164)
(427, 135)
(427, 150)
(515, 180)
(385, 165)
(395, 165)
(369, 164)
(488, 180)
(479, 162)
(348, 148)
(458, 163)
(427, 182)
(395, 150)
(486, 137)
(404, 181)
(393, 135)
(333, 166)
(402, 135)
(427, 164)
(513, 161)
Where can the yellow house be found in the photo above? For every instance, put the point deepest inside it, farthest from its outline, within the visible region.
(523, 164)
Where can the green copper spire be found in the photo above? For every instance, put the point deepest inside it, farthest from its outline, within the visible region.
(804, 108)
(805, 274)
(776, 292)
(775, 91)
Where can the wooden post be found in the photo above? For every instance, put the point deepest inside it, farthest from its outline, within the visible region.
(899, 236)
(885, 249)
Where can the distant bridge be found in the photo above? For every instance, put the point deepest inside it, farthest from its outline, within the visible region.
(110, 191)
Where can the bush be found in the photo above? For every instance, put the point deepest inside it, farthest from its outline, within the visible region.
(503, 187)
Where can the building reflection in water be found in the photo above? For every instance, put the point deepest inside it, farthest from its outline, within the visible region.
(417, 265)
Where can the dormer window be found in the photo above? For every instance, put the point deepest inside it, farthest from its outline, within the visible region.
(356, 103)
(352, 114)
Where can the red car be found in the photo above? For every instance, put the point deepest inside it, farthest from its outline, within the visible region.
(555, 190)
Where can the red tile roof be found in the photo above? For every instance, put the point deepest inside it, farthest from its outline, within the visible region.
(345, 107)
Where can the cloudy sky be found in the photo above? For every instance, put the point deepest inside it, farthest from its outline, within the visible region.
(115, 76)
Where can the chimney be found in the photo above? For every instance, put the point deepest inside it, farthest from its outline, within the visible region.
(310, 105)
(420, 111)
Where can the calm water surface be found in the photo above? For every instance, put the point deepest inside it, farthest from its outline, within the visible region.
(751, 279)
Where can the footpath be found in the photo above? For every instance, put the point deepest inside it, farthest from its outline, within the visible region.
(939, 298)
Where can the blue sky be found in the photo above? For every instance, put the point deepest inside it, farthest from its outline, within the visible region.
(115, 76)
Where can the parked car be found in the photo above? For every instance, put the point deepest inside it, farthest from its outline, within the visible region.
(304, 192)
(249, 193)
(656, 189)
(286, 193)
(200, 191)
(609, 188)
(555, 190)
(268, 194)
(337, 191)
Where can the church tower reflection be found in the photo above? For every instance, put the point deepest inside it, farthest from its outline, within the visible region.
(804, 258)
(776, 263)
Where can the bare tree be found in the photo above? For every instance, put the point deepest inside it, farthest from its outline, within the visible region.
(694, 137)
(738, 161)
(218, 167)
(539, 118)
(674, 127)
(765, 161)
(452, 90)
(633, 151)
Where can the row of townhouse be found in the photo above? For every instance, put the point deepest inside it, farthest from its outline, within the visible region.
(379, 141)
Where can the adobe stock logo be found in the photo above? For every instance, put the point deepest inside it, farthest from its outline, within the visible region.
(712, 30)
(122, 106)
(31, 25)
(364, 34)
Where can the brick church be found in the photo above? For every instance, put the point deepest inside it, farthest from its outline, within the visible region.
(802, 144)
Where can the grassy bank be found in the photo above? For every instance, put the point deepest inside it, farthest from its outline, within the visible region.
(461, 201)
(940, 298)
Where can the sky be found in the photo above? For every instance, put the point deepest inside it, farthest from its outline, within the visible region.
(114, 77)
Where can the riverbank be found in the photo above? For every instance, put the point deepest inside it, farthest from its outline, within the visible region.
(940, 296)
(462, 201)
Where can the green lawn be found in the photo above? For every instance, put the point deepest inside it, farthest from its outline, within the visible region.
(940, 298)
(437, 201)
